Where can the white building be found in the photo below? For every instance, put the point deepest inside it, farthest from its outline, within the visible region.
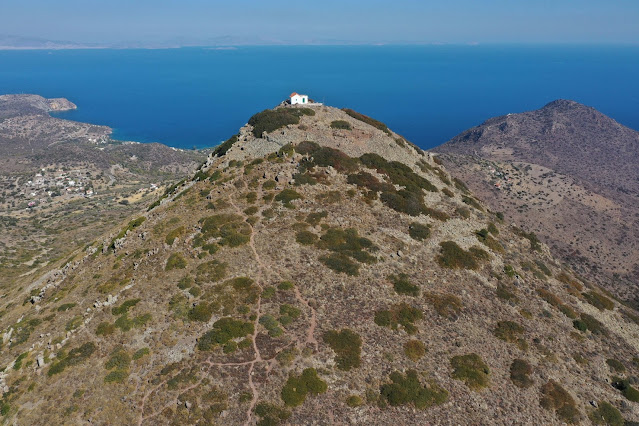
(296, 98)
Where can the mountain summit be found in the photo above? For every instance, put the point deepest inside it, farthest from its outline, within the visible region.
(317, 268)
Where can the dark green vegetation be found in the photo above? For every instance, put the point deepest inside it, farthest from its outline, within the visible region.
(222, 149)
(555, 398)
(616, 365)
(320, 156)
(400, 314)
(273, 119)
(484, 237)
(227, 230)
(402, 285)
(406, 389)
(130, 227)
(626, 389)
(297, 387)
(470, 369)
(361, 117)
(224, 330)
(75, 356)
(454, 257)
(306, 238)
(419, 232)
(341, 124)
(520, 371)
(346, 244)
(124, 307)
(347, 346)
(598, 300)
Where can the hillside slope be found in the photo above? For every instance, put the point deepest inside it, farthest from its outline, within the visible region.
(569, 174)
(291, 282)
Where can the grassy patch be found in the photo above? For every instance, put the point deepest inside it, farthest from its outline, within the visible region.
(452, 256)
(368, 120)
(470, 369)
(414, 350)
(270, 414)
(588, 322)
(557, 303)
(446, 305)
(606, 414)
(175, 261)
(347, 346)
(229, 230)
(306, 238)
(124, 307)
(510, 331)
(598, 300)
(297, 387)
(484, 238)
(406, 389)
(210, 272)
(616, 365)
(172, 236)
(555, 398)
(271, 325)
(286, 196)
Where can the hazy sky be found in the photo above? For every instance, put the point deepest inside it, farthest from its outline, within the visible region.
(301, 21)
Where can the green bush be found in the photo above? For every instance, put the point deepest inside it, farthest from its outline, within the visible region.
(446, 305)
(341, 124)
(606, 414)
(340, 263)
(414, 350)
(406, 389)
(347, 346)
(354, 401)
(315, 218)
(297, 387)
(400, 314)
(555, 398)
(557, 303)
(306, 238)
(616, 365)
(271, 325)
(222, 149)
(201, 312)
(629, 392)
(419, 232)
(520, 371)
(119, 359)
(74, 357)
(470, 369)
(273, 119)
(124, 323)
(269, 185)
(124, 307)
(175, 261)
(321, 156)
(141, 353)
(368, 120)
(304, 179)
(105, 329)
(488, 241)
(285, 285)
(286, 196)
(224, 330)
(116, 376)
(402, 285)
(289, 314)
(507, 292)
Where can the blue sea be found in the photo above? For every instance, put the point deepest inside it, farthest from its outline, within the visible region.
(197, 97)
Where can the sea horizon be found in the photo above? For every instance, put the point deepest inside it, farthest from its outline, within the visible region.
(199, 96)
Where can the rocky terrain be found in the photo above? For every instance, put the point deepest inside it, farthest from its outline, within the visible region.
(567, 173)
(317, 269)
(62, 183)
